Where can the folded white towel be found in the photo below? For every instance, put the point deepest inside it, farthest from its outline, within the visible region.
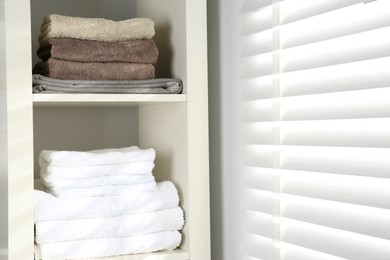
(49, 174)
(106, 247)
(48, 207)
(97, 157)
(132, 189)
(97, 29)
(117, 226)
(98, 181)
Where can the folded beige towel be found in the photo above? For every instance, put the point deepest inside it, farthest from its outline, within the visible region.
(98, 29)
(60, 69)
(134, 51)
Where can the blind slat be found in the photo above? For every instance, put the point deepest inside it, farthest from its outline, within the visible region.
(343, 77)
(294, 252)
(249, 6)
(257, 200)
(367, 103)
(257, 88)
(372, 162)
(255, 133)
(352, 48)
(258, 178)
(257, 156)
(258, 223)
(343, 216)
(246, 257)
(257, 66)
(373, 132)
(257, 111)
(257, 21)
(357, 190)
(256, 246)
(294, 10)
(373, 103)
(334, 241)
(258, 43)
(341, 22)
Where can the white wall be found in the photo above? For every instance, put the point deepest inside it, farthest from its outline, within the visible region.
(88, 128)
(223, 22)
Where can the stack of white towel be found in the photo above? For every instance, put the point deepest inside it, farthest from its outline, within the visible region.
(104, 203)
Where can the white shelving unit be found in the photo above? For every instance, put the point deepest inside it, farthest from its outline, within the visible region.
(175, 125)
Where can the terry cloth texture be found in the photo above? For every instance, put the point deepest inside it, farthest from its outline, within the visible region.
(60, 69)
(51, 173)
(132, 51)
(42, 84)
(114, 226)
(97, 157)
(108, 190)
(104, 203)
(97, 29)
(48, 207)
(98, 181)
(75, 165)
(105, 247)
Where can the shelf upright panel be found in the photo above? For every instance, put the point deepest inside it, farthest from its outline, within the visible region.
(3, 141)
(17, 124)
(197, 124)
(182, 139)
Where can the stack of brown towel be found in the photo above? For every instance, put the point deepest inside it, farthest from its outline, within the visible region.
(96, 50)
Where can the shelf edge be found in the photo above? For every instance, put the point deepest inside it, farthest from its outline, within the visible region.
(53, 100)
(177, 254)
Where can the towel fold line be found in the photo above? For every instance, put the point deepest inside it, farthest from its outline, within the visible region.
(98, 181)
(50, 175)
(102, 187)
(132, 189)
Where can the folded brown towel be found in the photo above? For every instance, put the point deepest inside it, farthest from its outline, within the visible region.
(70, 70)
(98, 29)
(134, 51)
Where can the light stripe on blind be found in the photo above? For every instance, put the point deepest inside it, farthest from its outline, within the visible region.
(257, 60)
(328, 126)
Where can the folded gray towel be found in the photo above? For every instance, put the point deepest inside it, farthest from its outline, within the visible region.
(42, 84)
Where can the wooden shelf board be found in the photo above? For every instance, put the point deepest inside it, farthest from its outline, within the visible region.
(178, 254)
(60, 100)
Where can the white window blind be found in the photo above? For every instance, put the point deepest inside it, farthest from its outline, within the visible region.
(315, 130)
